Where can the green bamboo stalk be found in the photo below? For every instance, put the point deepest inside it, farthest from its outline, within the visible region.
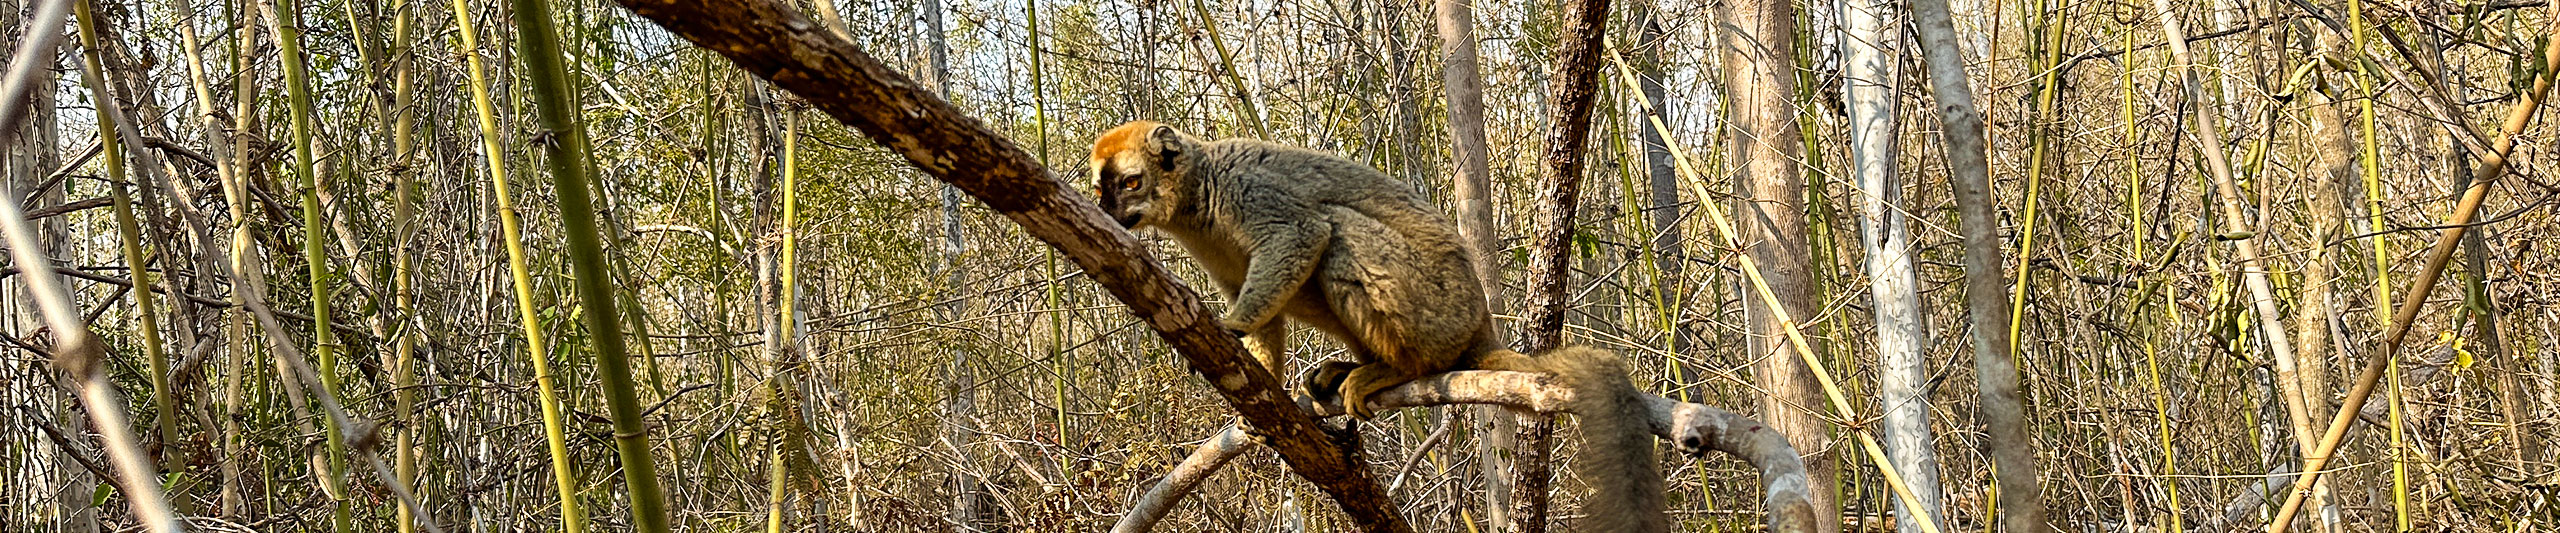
(2048, 54)
(1227, 65)
(127, 230)
(2132, 140)
(286, 24)
(564, 143)
(232, 502)
(404, 463)
(2156, 283)
(2372, 156)
(782, 436)
(2399, 452)
(2372, 160)
(564, 476)
(1060, 366)
(775, 472)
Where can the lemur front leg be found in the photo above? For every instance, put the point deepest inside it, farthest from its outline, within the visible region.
(1284, 255)
(1270, 345)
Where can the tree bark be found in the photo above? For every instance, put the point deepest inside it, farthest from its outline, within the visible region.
(30, 158)
(1577, 74)
(2004, 412)
(2325, 200)
(1463, 79)
(1662, 183)
(1873, 45)
(779, 44)
(1759, 69)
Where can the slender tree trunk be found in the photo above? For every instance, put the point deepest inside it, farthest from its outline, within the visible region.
(1662, 184)
(960, 386)
(1872, 42)
(1464, 81)
(1759, 69)
(2004, 413)
(764, 151)
(2325, 200)
(1577, 71)
(32, 157)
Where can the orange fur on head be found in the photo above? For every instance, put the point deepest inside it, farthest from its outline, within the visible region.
(1129, 136)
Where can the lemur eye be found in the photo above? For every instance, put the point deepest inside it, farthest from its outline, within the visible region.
(1128, 182)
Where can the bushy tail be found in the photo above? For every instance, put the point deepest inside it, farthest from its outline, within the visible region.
(1617, 439)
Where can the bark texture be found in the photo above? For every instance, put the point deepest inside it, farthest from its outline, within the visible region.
(1986, 286)
(1463, 79)
(1768, 144)
(1872, 44)
(1577, 73)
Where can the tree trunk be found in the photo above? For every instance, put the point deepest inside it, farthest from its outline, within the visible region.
(2325, 200)
(1662, 184)
(2004, 413)
(1768, 142)
(31, 158)
(1872, 42)
(1464, 81)
(1568, 133)
(968, 501)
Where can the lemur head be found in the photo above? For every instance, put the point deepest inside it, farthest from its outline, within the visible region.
(1133, 168)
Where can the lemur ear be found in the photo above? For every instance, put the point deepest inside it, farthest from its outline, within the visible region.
(1165, 142)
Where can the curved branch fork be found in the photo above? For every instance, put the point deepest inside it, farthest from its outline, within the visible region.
(1692, 428)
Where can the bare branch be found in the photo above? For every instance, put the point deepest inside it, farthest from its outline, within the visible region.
(1692, 428)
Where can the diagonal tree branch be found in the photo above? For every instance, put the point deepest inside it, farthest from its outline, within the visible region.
(800, 55)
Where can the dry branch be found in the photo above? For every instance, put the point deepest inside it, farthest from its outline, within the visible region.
(1692, 428)
(800, 55)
